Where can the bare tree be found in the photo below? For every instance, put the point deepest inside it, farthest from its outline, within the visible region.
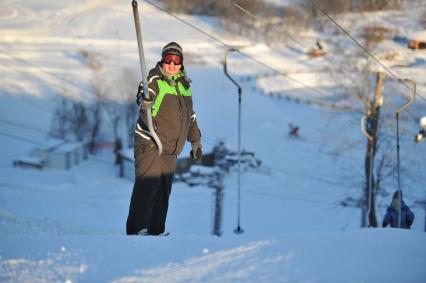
(114, 111)
(95, 114)
(79, 120)
(70, 121)
(112, 105)
(362, 88)
(372, 127)
(59, 126)
(127, 83)
(374, 5)
(330, 6)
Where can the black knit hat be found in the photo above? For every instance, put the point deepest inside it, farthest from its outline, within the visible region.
(395, 195)
(172, 48)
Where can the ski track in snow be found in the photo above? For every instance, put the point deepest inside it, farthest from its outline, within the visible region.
(234, 265)
(60, 266)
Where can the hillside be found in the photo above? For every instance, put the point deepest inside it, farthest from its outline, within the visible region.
(69, 225)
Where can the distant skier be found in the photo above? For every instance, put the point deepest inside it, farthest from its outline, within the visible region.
(317, 50)
(391, 217)
(319, 45)
(174, 122)
(294, 131)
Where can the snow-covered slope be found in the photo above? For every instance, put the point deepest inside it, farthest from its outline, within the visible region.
(69, 225)
(359, 256)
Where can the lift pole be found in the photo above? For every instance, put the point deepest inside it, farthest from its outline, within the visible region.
(413, 97)
(152, 132)
(237, 230)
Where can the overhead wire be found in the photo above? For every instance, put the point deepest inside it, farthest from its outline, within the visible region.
(23, 126)
(60, 79)
(256, 19)
(388, 70)
(70, 82)
(243, 9)
(21, 138)
(275, 196)
(193, 26)
(326, 58)
(303, 46)
(15, 124)
(307, 176)
(89, 91)
(27, 99)
(47, 72)
(315, 90)
(363, 48)
(280, 170)
(41, 144)
(244, 54)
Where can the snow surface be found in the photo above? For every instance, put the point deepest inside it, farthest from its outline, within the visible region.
(68, 226)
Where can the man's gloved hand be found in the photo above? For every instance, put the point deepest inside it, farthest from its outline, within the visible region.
(196, 152)
(140, 99)
(139, 95)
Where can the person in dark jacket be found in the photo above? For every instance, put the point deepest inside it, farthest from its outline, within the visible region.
(175, 122)
(392, 213)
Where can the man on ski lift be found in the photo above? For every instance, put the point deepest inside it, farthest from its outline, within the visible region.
(319, 45)
(174, 122)
(392, 214)
(294, 131)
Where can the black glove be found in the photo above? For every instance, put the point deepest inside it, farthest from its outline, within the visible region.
(140, 95)
(196, 152)
(140, 99)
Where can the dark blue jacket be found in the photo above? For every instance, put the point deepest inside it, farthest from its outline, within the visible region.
(391, 217)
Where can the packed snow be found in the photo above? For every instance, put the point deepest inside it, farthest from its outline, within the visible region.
(69, 225)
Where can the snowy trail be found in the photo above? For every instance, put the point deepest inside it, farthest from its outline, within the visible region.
(263, 258)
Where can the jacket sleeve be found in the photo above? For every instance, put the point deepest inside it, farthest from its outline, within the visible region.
(194, 134)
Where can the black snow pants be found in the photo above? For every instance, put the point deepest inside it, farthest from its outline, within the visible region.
(150, 198)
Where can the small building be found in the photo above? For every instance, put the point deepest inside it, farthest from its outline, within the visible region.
(29, 162)
(318, 50)
(58, 154)
(417, 40)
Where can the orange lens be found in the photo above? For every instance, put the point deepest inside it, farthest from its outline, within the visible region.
(169, 58)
